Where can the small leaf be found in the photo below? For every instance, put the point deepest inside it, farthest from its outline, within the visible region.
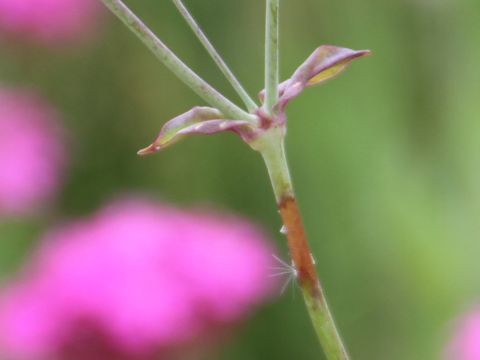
(199, 120)
(325, 62)
(329, 61)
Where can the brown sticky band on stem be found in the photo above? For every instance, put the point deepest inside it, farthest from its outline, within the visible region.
(298, 245)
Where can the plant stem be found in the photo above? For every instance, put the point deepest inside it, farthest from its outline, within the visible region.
(272, 150)
(247, 100)
(177, 66)
(271, 55)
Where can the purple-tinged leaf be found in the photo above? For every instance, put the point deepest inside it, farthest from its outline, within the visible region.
(199, 120)
(213, 126)
(325, 62)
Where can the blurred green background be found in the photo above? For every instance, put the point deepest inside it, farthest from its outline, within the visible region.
(385, 158)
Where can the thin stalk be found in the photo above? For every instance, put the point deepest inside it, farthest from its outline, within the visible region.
(271, 55)
(177, 66)
(237, 86)
(272, 150)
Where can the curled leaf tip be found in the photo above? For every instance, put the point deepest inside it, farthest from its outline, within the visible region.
(324, 63)
(199, 120)
(151, 149)
(169, 133)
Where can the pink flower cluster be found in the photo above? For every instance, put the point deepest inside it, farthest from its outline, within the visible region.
(134, 281)
(465, 344)
(31, 151)
(48, 21)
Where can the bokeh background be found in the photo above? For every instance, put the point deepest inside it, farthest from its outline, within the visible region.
(385, 158)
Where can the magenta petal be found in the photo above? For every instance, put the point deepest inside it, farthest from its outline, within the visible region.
(32, 151)
(49, 21)
(465, 344)
(133, 281)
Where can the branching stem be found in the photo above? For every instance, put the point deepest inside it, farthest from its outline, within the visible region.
(270, 143)
(177, 66)
(237, 86)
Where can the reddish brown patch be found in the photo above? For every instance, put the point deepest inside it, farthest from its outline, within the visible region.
(298, 245)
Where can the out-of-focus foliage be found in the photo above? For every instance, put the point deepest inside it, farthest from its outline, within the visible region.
(384, 158)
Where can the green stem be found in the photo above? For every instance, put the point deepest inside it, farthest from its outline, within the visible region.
(177, 66)
(271, 147)
(271, 55)
(237, 86)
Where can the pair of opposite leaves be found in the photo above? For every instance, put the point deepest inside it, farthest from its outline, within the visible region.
(325, 62)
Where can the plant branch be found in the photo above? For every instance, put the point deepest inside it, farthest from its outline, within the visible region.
(271, 55)
(269, 142)
(272, 150)
(247, 100)
(177, 66)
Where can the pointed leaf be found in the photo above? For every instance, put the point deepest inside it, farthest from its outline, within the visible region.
(199, 120)
(328, 61)
(325, 62)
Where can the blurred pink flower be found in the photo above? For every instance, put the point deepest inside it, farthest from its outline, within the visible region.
(31, 151)
(135, 281)
(465, 344)
(48, 21)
